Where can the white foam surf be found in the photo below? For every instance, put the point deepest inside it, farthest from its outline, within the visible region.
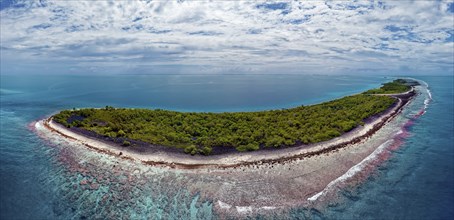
(429, 93)
(243, 209)
(38, 125)
(360, 166)
(224, 205)
(352, 171)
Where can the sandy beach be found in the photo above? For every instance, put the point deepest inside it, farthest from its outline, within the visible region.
(234, 159)
(306, 176)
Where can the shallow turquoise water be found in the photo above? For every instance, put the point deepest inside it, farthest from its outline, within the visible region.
(416, 182)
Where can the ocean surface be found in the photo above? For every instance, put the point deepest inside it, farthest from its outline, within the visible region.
(38, 179)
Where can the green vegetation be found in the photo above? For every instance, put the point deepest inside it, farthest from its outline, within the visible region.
(198, 133)
(396, 86)
(126, 143)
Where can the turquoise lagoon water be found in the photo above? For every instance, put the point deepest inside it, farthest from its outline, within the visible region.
(41, 179)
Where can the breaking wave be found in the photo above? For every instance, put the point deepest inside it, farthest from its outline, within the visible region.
(390, 144)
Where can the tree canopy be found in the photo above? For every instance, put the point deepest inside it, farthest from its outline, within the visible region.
(198, 133)
(396, 86)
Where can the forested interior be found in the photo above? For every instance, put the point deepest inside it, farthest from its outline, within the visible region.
(394, 87)
(245, 131)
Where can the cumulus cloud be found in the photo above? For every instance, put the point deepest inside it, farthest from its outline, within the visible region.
(230, 36)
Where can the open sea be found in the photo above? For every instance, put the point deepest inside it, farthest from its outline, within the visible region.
(36, 182)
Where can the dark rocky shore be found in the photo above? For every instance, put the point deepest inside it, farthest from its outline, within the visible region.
(141, 147)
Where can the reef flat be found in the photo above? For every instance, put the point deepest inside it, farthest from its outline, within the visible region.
(230, 182)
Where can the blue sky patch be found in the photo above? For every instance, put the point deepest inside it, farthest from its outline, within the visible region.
(394, 28)
(41, 26)
(8, 3)
(306, 18)
(273, 6)
(451, 7)
(282, 6)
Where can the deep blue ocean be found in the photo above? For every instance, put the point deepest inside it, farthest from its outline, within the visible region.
(417, 182)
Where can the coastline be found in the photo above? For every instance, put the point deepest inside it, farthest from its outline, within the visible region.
(174, 160)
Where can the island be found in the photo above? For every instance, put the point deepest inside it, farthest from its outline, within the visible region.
(145, 131)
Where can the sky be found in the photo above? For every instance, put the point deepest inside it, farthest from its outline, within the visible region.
(227, 37)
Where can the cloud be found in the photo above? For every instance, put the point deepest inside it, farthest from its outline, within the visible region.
(230, 36)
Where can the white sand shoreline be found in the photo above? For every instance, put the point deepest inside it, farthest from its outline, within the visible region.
(242, 184)
(172, 160)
